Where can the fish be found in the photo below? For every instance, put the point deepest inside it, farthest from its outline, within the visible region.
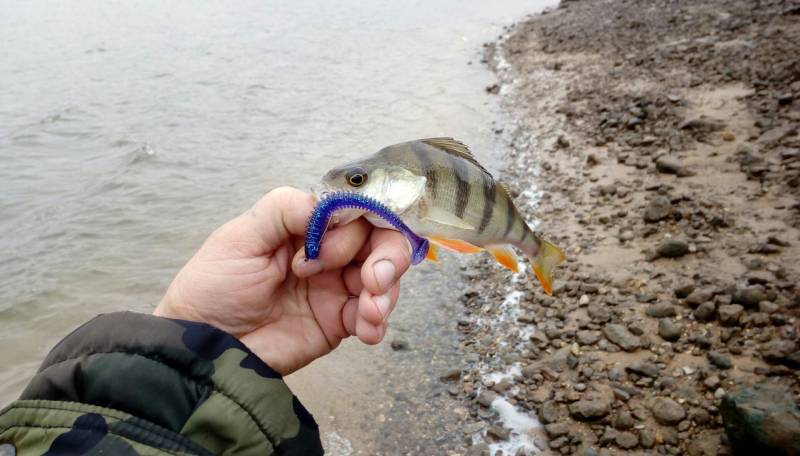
(440, 191)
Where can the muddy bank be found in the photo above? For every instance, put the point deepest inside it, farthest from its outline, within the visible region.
(662, 138)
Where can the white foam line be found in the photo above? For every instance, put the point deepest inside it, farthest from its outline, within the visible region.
(521, 425)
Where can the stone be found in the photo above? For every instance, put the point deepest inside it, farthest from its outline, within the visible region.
(730, 314)
(550, 412)
(591, 409)
(623, 421)
(450, 375)
(647, 438)
(762, 419)
(669, 330)
(667, 411)
(620, 336)
(705, 312)
(658, 209)
(698, 297)
(400, 344)
(749, 296)
(683, 290)
(661, 310)
(643, 368)
(706, 443)
(487, 397)
(498, 432)
(719, 360)
(671, 165)
(672, 248)
(479, 449)
(627, 440)
(587, 337)
(556, 429)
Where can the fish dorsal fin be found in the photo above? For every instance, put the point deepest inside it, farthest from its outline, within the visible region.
(454, 147)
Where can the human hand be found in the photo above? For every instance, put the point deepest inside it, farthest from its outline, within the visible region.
(251, 279)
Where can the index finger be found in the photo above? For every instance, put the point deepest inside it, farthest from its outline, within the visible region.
(387, 262)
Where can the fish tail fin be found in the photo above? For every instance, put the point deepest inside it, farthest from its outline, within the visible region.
(545, 258)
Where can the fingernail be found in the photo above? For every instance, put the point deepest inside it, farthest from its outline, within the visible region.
(309, 267)
(383, 302)
(384, 271)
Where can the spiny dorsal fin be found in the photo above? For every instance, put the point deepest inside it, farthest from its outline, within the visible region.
(454, 147)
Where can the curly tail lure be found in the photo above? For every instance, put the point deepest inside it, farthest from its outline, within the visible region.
(336, 201)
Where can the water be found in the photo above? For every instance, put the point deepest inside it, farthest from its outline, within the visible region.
(129, 130)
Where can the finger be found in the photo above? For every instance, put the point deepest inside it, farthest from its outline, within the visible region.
(376, 309)
(278, 215)
(352, 280)
(367, 332)
(349, 315)
(389, 259)
(339, 246)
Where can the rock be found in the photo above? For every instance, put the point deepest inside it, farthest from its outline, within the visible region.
(671, 165)
(550, 412)
(558, 443)
(661, 310)
(698, 297)
(450, 375)
(587, 337)
(487, 397)
(772, 136)
(400, 344)
(626, 235)
(667, 411)
(749, 296)
(762, 419)
(669, 330)
(593, 407)
(620, 336)
(562, 141)
(647, 438)
(707, 443)
(627, 440)
(479, 449)
(498, 432)
(719, 360)
(730, 314)
(658, 209)
(556, 429)
(705, 312)
(673, 248)
(623, 421)
(684, 290)
(643, 368)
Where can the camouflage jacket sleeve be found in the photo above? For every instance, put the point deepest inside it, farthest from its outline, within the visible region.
(128, 384)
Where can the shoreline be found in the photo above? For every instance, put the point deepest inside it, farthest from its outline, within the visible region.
(666, 163)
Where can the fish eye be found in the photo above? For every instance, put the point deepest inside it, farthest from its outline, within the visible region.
(356, 177)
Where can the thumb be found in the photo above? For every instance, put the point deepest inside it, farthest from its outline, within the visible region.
(277, 216)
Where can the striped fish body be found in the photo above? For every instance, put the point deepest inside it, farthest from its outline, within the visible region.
(442, 193)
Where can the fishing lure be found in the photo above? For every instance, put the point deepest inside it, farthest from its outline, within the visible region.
(336, 201)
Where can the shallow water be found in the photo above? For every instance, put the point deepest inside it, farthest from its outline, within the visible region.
(129, 130)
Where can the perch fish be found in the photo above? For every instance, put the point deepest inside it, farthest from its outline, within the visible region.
(438, 188)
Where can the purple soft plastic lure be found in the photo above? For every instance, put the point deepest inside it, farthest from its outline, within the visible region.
(318, 223)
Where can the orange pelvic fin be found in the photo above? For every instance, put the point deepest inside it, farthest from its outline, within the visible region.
(433, 254)
(549, 257)
(505, 256)
(456, 245)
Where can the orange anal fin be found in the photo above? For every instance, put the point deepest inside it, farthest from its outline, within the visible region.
(433, 254)
(456, 245)
(505, 256)
(547, 285)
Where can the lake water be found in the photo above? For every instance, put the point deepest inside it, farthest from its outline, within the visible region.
(130, 130)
